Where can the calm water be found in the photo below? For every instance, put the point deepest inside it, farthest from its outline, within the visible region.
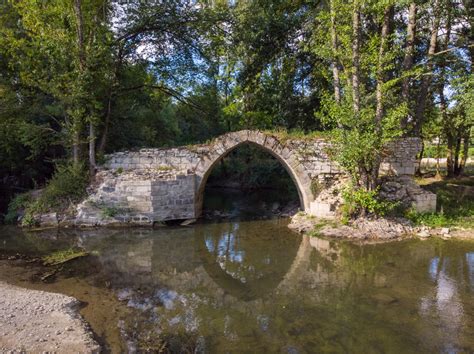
(255, 286)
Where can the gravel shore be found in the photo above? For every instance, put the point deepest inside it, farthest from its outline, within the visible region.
(38, 321)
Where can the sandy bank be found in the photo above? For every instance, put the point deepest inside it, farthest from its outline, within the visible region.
(38, 321)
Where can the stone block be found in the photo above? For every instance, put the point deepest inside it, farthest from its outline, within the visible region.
(424, 203)
(322, 210)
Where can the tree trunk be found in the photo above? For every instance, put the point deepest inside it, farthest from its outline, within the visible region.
(420, 157)
(76, 158)
(408, 60)
(334, 44)
(80, 32)
(92, 163)
(465, 151)
(103, 140)
(426, 81)
(438, 153)
(447, 125)
(450, 155)
(379, 110)
(457, 150)
(356, 58)
(82, 64)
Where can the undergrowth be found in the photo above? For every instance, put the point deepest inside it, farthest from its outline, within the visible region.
(358, 201)
(455, 204)
(66, 187)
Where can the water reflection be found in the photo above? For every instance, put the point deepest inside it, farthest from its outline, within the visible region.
(256, 286)
(470, 267)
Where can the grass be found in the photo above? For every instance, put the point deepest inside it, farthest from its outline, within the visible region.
(109, 212)
(164, 168)
(284, 135)
(321, 224)
(455, 204)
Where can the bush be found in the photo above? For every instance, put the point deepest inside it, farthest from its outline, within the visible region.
(16, 206)
(110, 212)
(358, 201)
(67, 186)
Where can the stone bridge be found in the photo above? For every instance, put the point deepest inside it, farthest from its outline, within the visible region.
(150, 185)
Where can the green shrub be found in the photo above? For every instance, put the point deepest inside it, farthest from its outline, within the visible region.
(18, 203)
(67, 186)
(429, 219)
(358, 201)
(109, 212)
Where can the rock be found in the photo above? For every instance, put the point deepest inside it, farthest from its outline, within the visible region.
(445, 231)
(301, 223)
(188, 222)
(50, 219)
(423, 233)
(384, 299)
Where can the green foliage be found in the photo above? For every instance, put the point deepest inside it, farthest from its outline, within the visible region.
(16, 205)
(174, 73)
(358, 200)
(455, 204)
(109, 212)
(359, 135)
(67, 186)
(28, 220)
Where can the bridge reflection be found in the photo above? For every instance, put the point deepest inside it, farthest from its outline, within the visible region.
(255, 286)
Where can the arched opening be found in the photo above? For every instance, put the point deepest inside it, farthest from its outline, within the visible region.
(249, 181)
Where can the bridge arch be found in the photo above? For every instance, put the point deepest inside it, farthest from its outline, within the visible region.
(223, 145)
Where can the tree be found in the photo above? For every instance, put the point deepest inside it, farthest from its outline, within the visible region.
(363, 122)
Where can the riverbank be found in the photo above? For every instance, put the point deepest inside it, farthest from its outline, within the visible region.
(454, 217)
(380, 229)
(39, 321)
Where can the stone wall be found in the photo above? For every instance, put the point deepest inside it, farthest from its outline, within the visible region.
(166, 184)
(400, 157)
(138, 197)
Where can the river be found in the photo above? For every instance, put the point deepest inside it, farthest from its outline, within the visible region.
(246, 283)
